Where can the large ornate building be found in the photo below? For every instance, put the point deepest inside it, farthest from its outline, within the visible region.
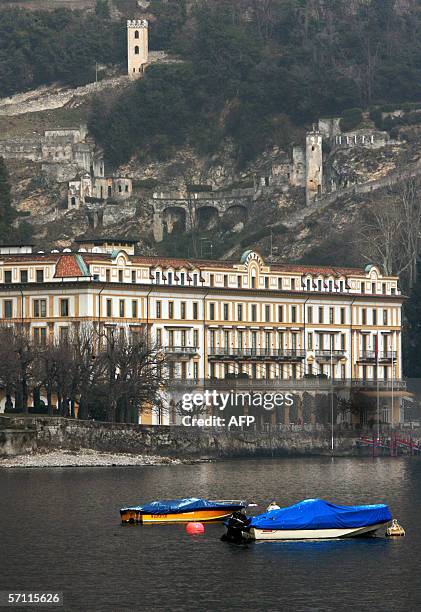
(268, 323)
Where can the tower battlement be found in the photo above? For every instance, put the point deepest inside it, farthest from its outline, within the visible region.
(137, 23)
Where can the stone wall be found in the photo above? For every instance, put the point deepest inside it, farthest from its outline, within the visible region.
(22, 434)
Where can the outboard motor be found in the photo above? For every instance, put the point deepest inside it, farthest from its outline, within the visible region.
(237, 523)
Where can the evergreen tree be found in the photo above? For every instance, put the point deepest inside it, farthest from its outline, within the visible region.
(102, 9)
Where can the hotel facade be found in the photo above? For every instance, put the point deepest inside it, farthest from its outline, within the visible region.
(265, 324)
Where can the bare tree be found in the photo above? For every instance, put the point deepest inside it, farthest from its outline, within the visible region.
(390, 231)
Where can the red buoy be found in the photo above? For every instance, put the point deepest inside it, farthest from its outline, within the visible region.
(195, 528)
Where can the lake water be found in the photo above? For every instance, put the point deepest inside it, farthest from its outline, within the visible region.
(60, 531)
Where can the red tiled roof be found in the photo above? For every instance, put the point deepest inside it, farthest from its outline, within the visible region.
(68, 267)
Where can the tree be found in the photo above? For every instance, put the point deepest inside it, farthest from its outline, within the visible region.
(102, 9)
(390, 233)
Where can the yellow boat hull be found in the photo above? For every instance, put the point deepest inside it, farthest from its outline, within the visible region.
(203, 516)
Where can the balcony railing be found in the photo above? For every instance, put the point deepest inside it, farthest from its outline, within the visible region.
(181, 351)
(289, 383)
(327, 355)
(383, 356)
(265, 354)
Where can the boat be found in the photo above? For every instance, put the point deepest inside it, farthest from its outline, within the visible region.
(181, 510)
(316, 519)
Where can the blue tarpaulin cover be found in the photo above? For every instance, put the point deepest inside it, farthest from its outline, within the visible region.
(171, 506)
(319, 514)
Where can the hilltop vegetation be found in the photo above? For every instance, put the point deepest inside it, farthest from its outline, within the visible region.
(255, 69)
(40, 47)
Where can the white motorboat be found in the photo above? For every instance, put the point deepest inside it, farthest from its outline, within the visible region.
(315, 519)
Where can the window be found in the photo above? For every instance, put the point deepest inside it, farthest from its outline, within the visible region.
(373, 288)
(183, 278)
(183, 310)
(364, 316)
(253, 282)
(266, 282)
(280, 314)
(136, 50)
(362, 287)
(40, 308)
(171, 338)
(39, 276)
(136, 34)
(226, 312)
(239, 312)
(8, 309)
(310, 341)
(211, 280)
(310, 314)
(385, 321)
(183, 337)
(239, 282)
(280, 282)
(321, 317)
(120, 276)
(195, 280)
(8, 276)
(40, 336)
(107, 275)
(212, 311)
(253, 312)
(331, 316)
(134, 309)
(195, 370)
(341, 286)
(225, 280)
(171, 310)
(64, 308)
(330, 285)
(343, 340)
(319, 285)
(383, 287)
(109, 308)
(119, 189)
(24, 276)
(195, 311)
(133, 276)
(170, 278)
(374, 316)
(64, 334)
(293, 284)
(342, 316)
(267, 313)
(122, 308)
(195, 338)
(158, 310)
(157, 278)
(293, 314)
(159, 337)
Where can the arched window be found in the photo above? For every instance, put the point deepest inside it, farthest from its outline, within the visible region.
(109, 191)
(136, 34)
(73, 201)
(136, 50)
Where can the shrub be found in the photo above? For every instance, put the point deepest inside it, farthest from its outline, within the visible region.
(351, 118)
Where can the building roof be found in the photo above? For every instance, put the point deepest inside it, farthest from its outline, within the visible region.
(71, 266)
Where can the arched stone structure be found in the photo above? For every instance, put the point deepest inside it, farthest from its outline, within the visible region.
(192, 207)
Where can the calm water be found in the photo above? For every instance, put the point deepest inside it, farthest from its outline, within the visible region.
(60, 530)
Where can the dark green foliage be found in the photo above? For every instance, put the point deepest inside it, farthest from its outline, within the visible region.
(351, 119)
(42, 47)
(255, 70)
(102, 9)
(412, 332)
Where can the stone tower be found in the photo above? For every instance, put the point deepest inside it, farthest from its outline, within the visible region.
(137, 47)
(314, 165)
